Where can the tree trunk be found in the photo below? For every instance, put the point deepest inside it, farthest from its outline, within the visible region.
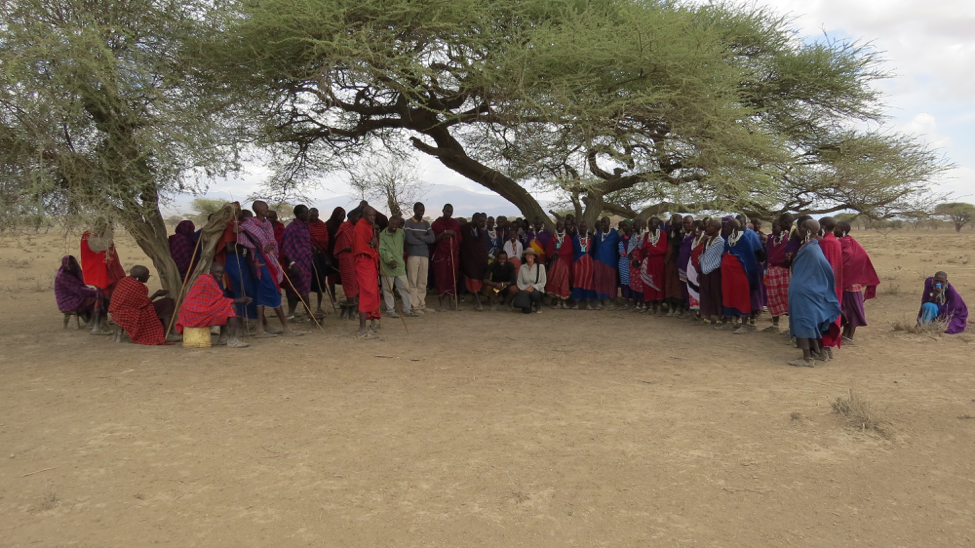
(149, 231)
(452, 155)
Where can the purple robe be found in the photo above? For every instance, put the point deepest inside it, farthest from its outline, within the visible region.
(684, 255)
(70, 290)
(952, 310)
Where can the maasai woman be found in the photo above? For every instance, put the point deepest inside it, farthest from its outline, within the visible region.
(709, 273)
(605, 262)
(940, 302)
(626, 231)
(70, 290)
(652, 252)
(777, 274)
(634, 254)
(560, 254)
(673, 295)
(583, 290)
(860, 278)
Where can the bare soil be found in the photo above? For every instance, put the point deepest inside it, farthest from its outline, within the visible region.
(487, 429)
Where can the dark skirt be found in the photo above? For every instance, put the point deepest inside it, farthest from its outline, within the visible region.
(853, 312)
(710, 293)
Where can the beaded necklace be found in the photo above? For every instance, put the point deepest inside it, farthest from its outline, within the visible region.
(584, 243)
(559, 238)
(734, 237)
(653, 237)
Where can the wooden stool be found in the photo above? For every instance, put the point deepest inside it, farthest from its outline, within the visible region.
(67, 318)
(349, 311)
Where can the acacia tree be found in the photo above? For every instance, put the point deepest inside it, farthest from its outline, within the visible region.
(959, 213)
(103, 114)
(620, 105)
(389, 178)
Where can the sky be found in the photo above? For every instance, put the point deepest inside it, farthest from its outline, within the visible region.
(929, 46)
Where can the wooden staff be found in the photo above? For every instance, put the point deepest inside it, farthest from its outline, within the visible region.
(322, 284)
(453, 271)
(302, 299)
(179, 296)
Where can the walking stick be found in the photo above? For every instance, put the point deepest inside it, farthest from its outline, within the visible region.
(382, 268)
(453, 272)
(322, 285)
(179, 296)
(302, 299)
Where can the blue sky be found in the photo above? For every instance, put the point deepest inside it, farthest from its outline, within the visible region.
(928, 45)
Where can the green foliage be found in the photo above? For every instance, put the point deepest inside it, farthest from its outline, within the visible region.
(960, 213)
(619, 105)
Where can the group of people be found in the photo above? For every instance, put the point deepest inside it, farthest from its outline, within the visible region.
(721, 271)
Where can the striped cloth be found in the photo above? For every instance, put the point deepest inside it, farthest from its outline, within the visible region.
(132, 310)
(711, 258)
(777, 281)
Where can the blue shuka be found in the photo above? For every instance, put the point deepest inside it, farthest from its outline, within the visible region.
(813, 305)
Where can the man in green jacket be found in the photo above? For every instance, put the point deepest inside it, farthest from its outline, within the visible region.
(392, 266)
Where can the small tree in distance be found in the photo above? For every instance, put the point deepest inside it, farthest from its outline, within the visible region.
(392, 179)
(959, 213)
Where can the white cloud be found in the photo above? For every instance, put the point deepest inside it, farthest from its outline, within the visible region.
(926, 127)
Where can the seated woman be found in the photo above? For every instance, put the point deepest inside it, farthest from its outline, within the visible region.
(942, 303)
(531, 284)
(70, 290)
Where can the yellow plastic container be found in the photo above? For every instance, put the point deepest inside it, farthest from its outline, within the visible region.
(196, 337)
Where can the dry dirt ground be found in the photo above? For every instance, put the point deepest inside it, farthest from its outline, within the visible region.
(569, 428)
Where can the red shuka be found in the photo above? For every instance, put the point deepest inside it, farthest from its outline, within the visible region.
(101, 269)
(205, 305)
(132, 310)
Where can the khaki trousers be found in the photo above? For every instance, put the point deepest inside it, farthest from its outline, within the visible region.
(417, 270)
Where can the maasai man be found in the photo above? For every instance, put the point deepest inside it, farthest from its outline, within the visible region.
(940, 302)
(813, 306)
(623, 253)
(296, 251)
(833, 251)
(365, 249)
(343, 253)
(762, 294)
(683, 258)
(446, 255)
(514, 249)
(673, 287)
(206, 305)
(633, 254)
(605, 262)
(181, 247)
(780, 249)
(694, 269)
(419, 238)
(138, 313)
(739, 276)
(494, 238)
(860, 278)
(102, 269)
(709, 273)
(392, 267)
(240, 273)
(560, 257)
(333, 224)
(474, 256)
(539, 240)
(257, 235)
(319, 254)
(70, 291)
(583, 291)
(278, 226)
(381, 220)
(652, 251)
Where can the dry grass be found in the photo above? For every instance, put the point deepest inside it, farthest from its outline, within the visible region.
(861, 413)
(891, 289)
(907, 325)
(796, 416)
(20, 263)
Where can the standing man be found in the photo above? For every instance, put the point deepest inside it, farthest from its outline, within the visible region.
(296, 250)
(474, 256)
(860, 278)
(365, 246)
(319, 255)
(606, 262)
(419, 237)
(101, 268)
(446, 255)
(257, 235)
(813, 306)
(393, 268)
(343, 253)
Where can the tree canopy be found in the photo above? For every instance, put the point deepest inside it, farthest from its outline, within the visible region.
(625, 106)
(959, 213)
